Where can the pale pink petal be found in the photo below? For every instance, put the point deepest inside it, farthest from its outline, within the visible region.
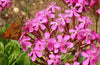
(47, 35)
(84, 54)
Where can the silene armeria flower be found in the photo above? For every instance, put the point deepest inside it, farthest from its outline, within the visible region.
(91, 55)
(4, 3)
(54, 59)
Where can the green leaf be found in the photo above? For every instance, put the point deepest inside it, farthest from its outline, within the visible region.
(23, 59)
(81, 59)
(3, 59)
(12, 49)
(1, 47)
(30, 4)
(64, 56)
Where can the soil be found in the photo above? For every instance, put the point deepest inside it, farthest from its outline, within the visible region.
(9, 15)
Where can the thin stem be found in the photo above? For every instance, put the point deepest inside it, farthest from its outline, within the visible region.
(96, 24)
(73, 21)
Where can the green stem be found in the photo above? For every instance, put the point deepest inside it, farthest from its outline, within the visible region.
(96, 24)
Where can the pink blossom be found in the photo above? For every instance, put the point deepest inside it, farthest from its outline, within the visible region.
(29, 26)
(56, 24)
(77, 32)
(91, 56)
(82, 4)
(6, 2)
(64, 19)
(49, 41)
(62, 43)
(35, 52)
(38, 22)
(25, 42)
(72, 12)
(45, 13)
(71, 2)
(53, 7)
(54, 59)
(85, 21)
(98, 11)
(92, 3)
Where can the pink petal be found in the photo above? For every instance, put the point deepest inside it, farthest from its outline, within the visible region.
(84, 54)
(51, 56)
(59, 37)
(63, 49)
(50, 62)
(39, 54)
(67, 37)
(47, 35)
(33, 57)
(86, 62)
(76, 63)
(67, 64)
(42, 27)
(69, 44)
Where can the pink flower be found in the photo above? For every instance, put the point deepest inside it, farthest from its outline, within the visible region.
(56, 24)
(25, 42)
(62, 43)
(45, 13)
(29, 26)
(92, 3)
(49, 41)
(72, 12)
(82, 4)
(77, 32)
(53, 7)
(35, 52)
(38, 22)
(98, 11)
(54, 59)
(91, 56)
(71, 2)
(64, 19)
(85, 21)
(6, 2)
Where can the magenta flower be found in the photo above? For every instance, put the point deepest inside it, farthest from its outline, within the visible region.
(92, 3)
(72, 12)
(38, 22)
(6, 2)
(56, 24)
(50, 42)
(53, 7)
(40, 45)
(45, 13)
(62, 42)
(64, 19)
(88, 36)
(85, 21)
(77, 32)
(54, 59)
(82, 4)
(35, 52)
(98, 11)
(29, 26)
(91, 56)
(71, 2)
(25, 42)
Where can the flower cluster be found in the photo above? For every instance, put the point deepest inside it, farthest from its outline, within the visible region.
(4, 3)
(49, 38)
